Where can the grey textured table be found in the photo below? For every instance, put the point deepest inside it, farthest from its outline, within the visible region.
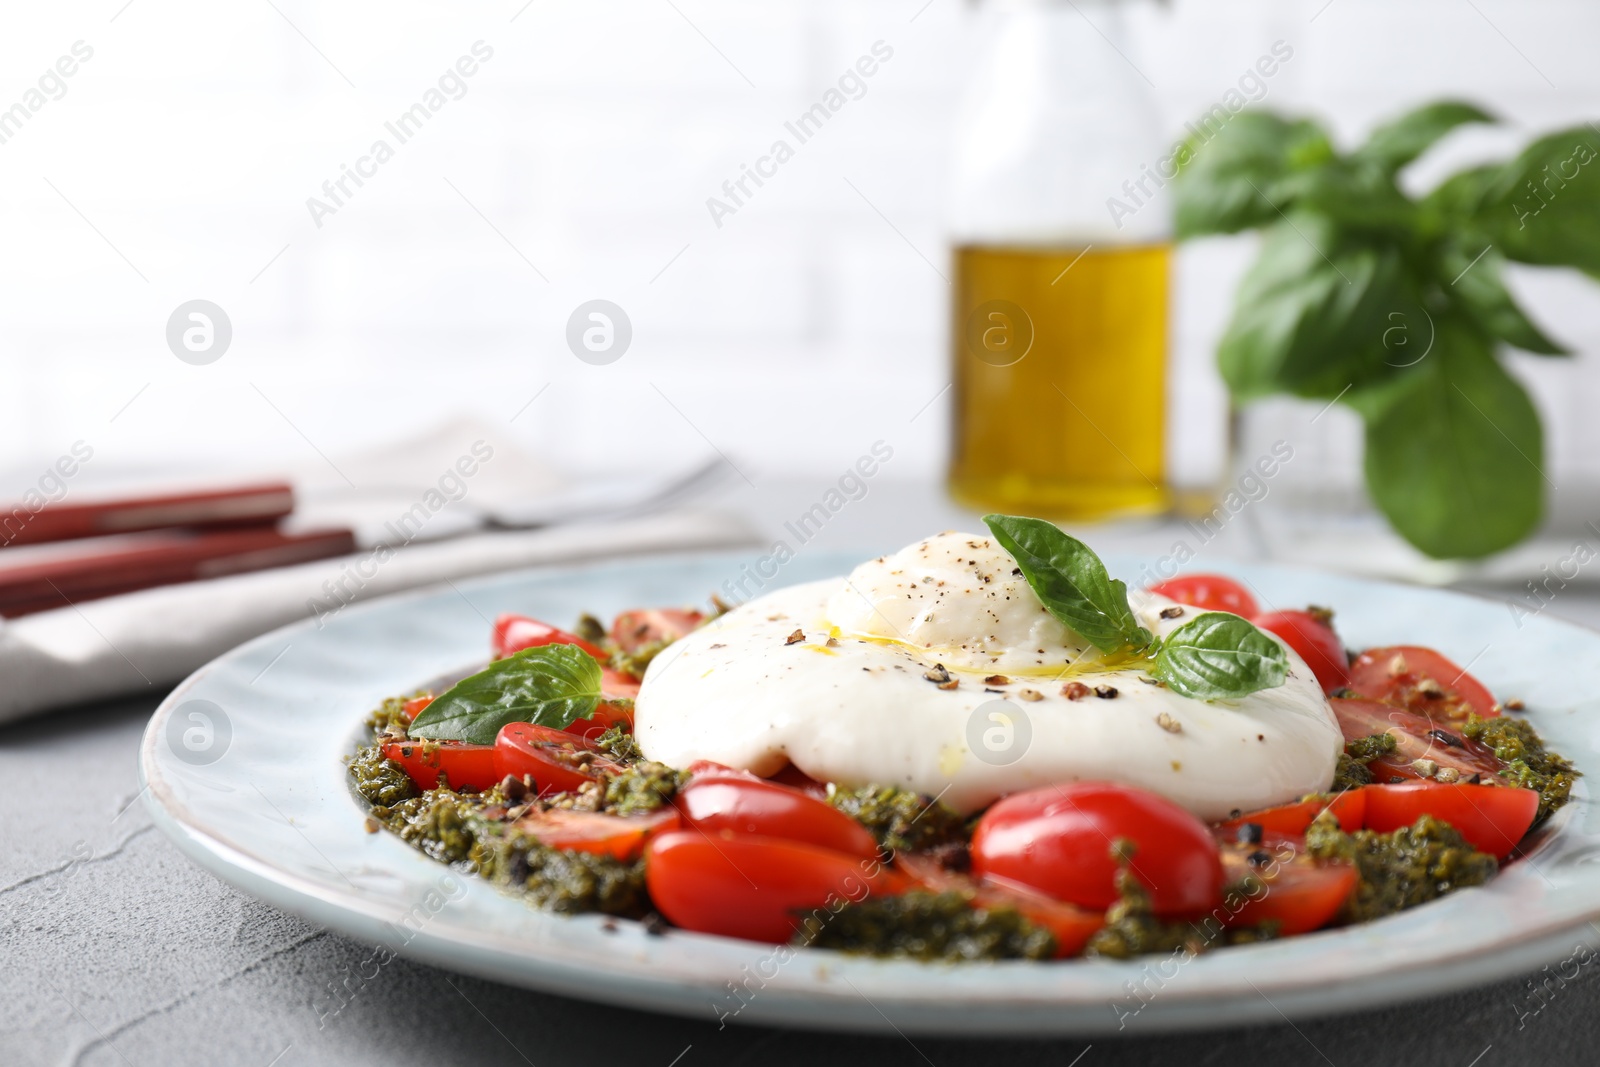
(118, 951)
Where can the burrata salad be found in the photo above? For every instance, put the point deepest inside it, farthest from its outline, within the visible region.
(982, 746)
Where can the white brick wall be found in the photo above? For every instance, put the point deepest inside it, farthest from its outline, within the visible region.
(793, 336)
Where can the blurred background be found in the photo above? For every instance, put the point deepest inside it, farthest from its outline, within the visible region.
(576, 163)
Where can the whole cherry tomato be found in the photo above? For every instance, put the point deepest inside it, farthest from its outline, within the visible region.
(1312, 638)
(1209, 592)
(758, 888)
(513, 633)
(715, 804)
(1059, 840)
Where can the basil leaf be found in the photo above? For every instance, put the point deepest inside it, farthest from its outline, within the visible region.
(1397, 143)
(1453, 459)
(1313, 314)
(1543, 207)
(1071, 582)
(1356, 196)
(1236, 178)
(1457, 200)
(1475, 282)
(1217, 656)
(553, 685)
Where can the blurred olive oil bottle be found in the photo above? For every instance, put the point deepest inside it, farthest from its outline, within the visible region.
(1060, 285)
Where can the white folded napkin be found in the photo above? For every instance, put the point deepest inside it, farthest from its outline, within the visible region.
(144, 641)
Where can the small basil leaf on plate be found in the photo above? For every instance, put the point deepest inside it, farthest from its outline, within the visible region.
(552, 685)
(1071, 582)
(1217, 656)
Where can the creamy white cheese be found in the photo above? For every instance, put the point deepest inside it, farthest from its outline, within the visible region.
(851, 702)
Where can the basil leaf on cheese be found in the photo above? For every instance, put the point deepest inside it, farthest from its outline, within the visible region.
(1218, 656)
(552, 685)
(1071, 582)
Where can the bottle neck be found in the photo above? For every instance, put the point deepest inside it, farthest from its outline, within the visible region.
(1057, 119)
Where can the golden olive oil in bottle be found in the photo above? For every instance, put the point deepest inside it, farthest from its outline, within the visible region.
(1059, 379)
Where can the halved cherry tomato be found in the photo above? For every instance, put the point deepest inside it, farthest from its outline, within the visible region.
(513, 633)
(414, 706)
(622, 837)
(1492, 819)
(604, 717)
(466, 766)
(1417, 737)
(1422, 680)
(714, 804)
(1072, 926)
(618, 685)
(1349, 807)
(1209, 592)
(1290, 889)
(558, 761)
(632, 630)
(1058, 840)
(1315, 642)
(757, 888)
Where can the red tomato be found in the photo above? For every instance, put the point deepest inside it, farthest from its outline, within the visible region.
(795, 778)
(604, 718)
(632, 630)
(414, 706)
(1294, 891)
(1314, 641)
(1349, 807)
(1422, 680)
(1071, 925)
(513, 633)
(1209, 592)
(1058, 840)
(1492, 818)
(757, 888)
(616, 685)
(466, 766)
(1416, 737)
(704, 768)
(588, 831)
(560, 762)
(714, 804)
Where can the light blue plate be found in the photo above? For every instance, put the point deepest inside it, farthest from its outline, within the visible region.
(244, 768)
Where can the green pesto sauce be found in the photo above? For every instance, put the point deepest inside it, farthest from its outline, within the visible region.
(382, 782)
(619, 744)
(440, 823)
(919, 925)
(560, 881)
(591, 630)
(901, 820)
(460, 830)
(1402, 868)
(1132, 928)
(641, 788)
(1352, 772)
(1530, 764)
